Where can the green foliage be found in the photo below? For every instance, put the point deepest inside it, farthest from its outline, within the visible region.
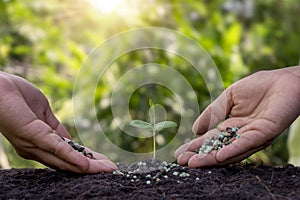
(47, 42)
(142, 124)
(154, 127)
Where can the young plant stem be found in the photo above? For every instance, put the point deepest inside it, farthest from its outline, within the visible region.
(152, 125)
(154, 135)
(154, 145)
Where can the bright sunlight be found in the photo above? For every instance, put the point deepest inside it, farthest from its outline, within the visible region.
(106, 6)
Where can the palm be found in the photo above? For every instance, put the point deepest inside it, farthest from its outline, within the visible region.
(262, 105)
(28, 123)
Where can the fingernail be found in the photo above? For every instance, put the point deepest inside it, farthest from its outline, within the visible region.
(220, 156)
(107, 165)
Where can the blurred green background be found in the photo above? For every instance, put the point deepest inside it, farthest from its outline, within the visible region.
(46, 42)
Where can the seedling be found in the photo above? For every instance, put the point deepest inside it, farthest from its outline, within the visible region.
(153, 126)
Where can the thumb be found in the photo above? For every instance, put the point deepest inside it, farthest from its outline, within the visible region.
(215, 113)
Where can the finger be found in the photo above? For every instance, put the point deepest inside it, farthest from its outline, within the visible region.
(196, 143)
(50, 160)
(49, 141)
(184, 158)
(186, 151)
(103, 165)
(214, 113)
(203, 160)
(248, 141)
(45, 138)
(96, 155)
(59, 148)
(206, 160)
(239, 149)
(241, 157)
(100, 163)
(183, 148)
(194, 160)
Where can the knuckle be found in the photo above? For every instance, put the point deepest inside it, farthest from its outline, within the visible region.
(59, 148)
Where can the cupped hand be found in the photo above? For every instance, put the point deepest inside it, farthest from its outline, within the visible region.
(263, 105)
(27, 121)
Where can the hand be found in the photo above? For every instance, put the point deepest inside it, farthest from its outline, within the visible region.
(263, 105)
(27, 121)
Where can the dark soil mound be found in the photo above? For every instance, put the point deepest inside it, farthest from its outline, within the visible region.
(168, 181)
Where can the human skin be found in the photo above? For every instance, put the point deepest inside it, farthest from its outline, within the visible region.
(263, 105)
(27, 121)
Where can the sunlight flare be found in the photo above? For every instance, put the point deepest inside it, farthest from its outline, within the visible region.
(106, 6)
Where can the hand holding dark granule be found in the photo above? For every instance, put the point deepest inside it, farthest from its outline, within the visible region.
(27, 121)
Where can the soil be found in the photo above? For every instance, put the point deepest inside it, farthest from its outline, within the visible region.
(245, 181)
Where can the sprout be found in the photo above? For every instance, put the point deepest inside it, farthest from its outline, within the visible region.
(154, 127)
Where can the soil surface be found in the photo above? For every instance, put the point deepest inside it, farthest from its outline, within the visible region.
(167, 182)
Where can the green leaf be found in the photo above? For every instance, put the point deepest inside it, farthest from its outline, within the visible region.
(163, 125)
(150, 103)
(141, 124)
